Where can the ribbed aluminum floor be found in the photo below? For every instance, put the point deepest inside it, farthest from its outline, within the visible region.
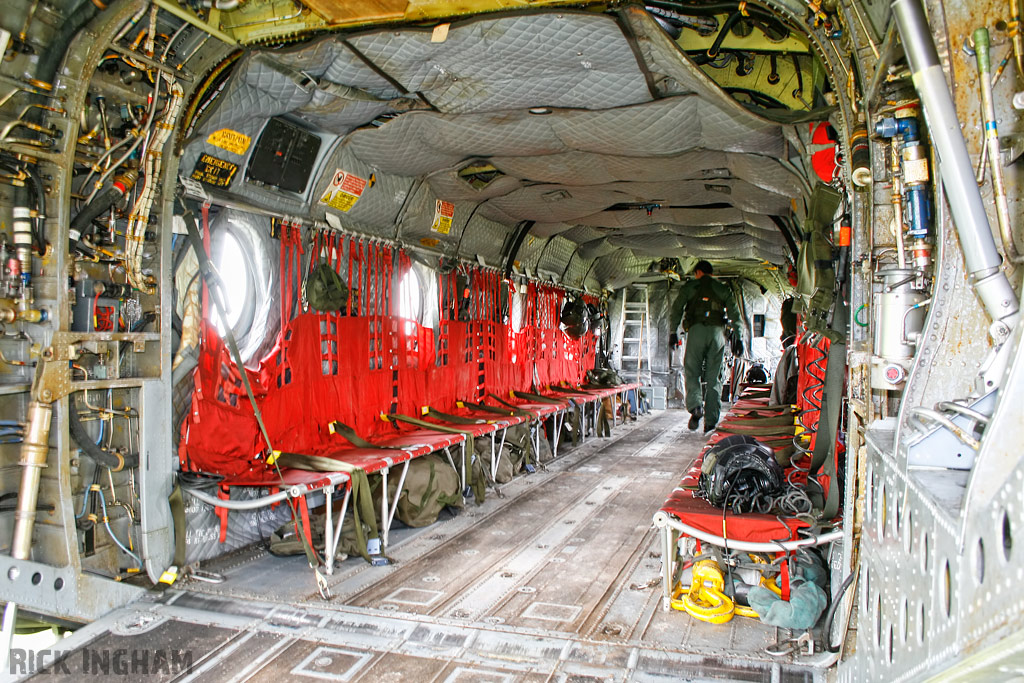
(557, 580)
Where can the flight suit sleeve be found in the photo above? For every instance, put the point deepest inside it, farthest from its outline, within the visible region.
(736, 320)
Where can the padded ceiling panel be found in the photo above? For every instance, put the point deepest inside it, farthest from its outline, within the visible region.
(621, 117)
(421, 142)
(583, 168)
(712, 218)
(568, 59)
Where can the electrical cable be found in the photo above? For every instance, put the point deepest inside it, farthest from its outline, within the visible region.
(106, 523)
(856, 316)
(830, 614)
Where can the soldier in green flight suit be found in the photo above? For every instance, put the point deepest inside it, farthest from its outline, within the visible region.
(706, 306)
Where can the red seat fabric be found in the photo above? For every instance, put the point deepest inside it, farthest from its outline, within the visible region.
(750, 527)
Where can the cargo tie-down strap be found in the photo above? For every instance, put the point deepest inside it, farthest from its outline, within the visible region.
(461, 419)
(572, 408)
(507, 410)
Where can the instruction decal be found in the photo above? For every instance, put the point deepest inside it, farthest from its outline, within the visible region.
(214, 172)
(444, 212)
(344, 191)
(230, 140)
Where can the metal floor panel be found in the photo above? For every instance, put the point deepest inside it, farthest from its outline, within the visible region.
(557, 580)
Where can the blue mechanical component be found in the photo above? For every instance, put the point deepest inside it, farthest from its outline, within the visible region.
(916, 198)
(890, 127)
(918, 211)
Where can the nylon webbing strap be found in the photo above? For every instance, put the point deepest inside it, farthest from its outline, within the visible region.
(177, 504)
(832, 396)
(832, 400)
(569, 391)
(604, 425)
(456, 419)
(764, 421)
(756, 429)
(537, 398)
(833, 408)
(362, 498)
(349, 434)
(773, 415)
(478, 491)
(213, 283)
(490, 409)
(507, 410)
(505, 403)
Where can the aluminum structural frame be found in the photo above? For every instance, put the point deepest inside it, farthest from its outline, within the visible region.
(54, 583)
(937, 553)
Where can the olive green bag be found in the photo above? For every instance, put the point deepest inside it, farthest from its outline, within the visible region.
(506, 462)
(431, 485)
(815, 269)
(325, 290)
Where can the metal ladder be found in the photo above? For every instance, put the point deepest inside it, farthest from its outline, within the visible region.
(635, 332)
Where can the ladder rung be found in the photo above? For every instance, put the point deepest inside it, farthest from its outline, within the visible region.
(631, 339)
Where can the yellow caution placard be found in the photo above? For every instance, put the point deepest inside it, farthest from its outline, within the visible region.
(344, 191)
(214, 172)
(230, 140)
(444, 212)
(440, 33)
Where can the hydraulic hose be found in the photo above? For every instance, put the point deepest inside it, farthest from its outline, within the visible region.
(49, 60)
(722, 32)
(969, 217)
(114, 461)
(82, 222)
(710, 8)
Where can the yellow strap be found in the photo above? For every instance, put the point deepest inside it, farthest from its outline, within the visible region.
(169, 576)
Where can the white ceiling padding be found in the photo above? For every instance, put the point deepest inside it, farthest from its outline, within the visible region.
(589, 120)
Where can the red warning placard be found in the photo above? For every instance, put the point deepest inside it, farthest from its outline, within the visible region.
(344, 191)
(444, 212)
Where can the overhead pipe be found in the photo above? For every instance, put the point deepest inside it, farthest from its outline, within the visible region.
(968, 211)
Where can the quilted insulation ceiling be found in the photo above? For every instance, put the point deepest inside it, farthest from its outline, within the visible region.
(595, 127)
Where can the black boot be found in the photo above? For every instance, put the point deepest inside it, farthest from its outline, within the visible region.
(695, 416)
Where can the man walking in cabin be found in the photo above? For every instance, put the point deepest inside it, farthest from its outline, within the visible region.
(706, 306)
